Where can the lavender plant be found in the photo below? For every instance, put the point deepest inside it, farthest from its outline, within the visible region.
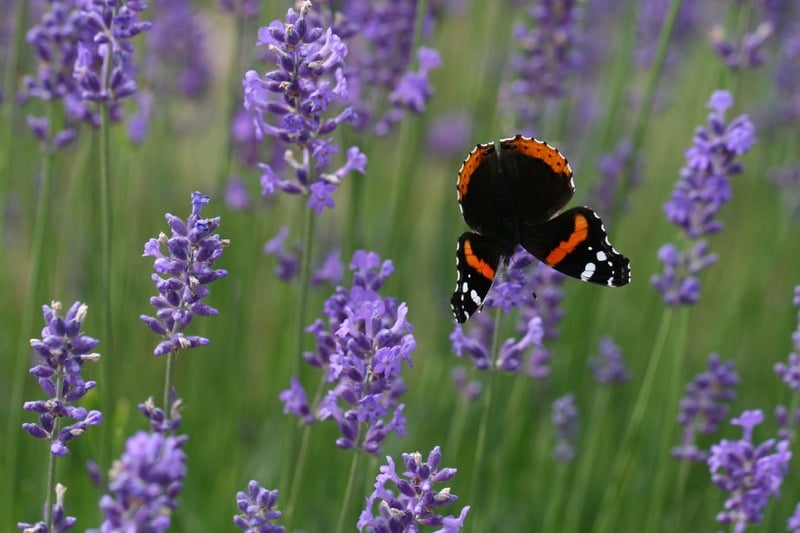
(382, 84)
(705, 406)
(565, 423)
(295, 105)
(104, 67)
(703, 188)
(548, 54)
(257, 510)
(608, 366)
(414, 500)
(789, 372)
(182, 276)
(362, 349)
(63, 349)
(749, 472)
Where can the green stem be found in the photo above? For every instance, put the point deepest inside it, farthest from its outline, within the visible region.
(348, 493)
(169, 379)
(586, 458)
(671, 402)
(556, 497)
(40, 225)
(106, 222)
(51, 464)
(622, 464)
(644, 114)
(480, 445)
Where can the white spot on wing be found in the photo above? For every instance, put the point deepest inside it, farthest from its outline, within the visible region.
(588, 271)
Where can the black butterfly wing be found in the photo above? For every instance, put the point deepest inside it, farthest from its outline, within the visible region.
(576, 244)
(477, 259)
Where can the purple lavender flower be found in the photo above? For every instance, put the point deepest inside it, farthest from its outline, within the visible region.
(548, 54)
(750, 473)
(193, 248)
(295, 104)
(793, 524)
(257, 513)
(608, 366)
(159, 422)
(613, 167)
(104, 67)
(55, 44)
(177, 61)
(747, 54)
(64, 349)
(414, 500)
(650, 19)
(533, 289)
(144, 484)
(60, 521)
(703, 188)
(467, 390)
(362, 349)
(565, 423)
(789, 372)
(382, 85)
(288, 260)
(787, 79)
(705, 406)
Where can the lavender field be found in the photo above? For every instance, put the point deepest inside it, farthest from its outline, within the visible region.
(229, 247)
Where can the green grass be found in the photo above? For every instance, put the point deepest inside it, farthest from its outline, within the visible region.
(622, 479)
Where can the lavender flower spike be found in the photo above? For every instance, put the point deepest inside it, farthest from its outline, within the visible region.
(705, 406)
(144, 484)
(789, 371)
(749, 472)
(362, 349)
(295, 105)
(415, 500)
(703, 188)
(192, 250)
(257, 513)
(64, 349)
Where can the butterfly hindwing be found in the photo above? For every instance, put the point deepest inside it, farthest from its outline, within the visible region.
(576, 244)
(477, 259)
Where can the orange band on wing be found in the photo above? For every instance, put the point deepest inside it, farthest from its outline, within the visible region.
(578, 235)
(477, 263)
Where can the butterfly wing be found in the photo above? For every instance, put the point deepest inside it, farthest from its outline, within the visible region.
(576, 244)
(477, 259)
(477, 189)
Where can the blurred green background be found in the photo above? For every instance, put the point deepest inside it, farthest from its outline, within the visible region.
(409, 214)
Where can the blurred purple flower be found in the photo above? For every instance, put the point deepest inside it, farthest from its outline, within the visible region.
(565, 424)
(60, 521)
(237, 197)
(744, 55)
(787, 177)
(651, 15)
(177, 60)
(294, 104)
(789, 372)
(244, 9)
(193, 248)
(750, 473)
(104, 67)
(548, 54)
(449, 134)
(362, 349)
(63, 349)
(144, 484)
(793, 524)
(467, 390)
(382, 85)
(787, 79)
(703, 188)
(55, 44)
(257, 510)
(705, 406)
(613, 167)
(608, 366)
(413, 501)
(288, 260)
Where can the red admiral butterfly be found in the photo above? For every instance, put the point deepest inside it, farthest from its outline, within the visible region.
(511, 195)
